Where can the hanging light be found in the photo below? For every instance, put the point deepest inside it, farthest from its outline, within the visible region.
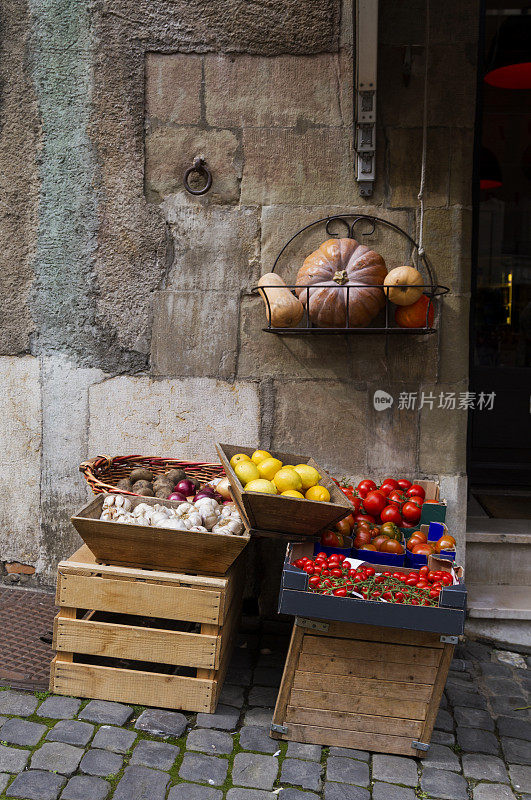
(509, 59)
(490, 176)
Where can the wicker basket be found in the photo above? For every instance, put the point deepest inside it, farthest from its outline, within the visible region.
(102, 473)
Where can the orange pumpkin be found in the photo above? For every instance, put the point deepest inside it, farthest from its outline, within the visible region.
(414, 316)
(336, 265)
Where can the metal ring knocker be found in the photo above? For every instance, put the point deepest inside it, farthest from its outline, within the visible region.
(201, 168)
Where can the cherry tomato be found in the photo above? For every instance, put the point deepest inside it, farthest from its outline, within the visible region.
(411, 512)
(336, 572)
(317, 569)
(341, 557)
(399, 597)
(387, 574)
(412, 581)
(379, 579)
(422, 584)
(341, 592)
(434, 593)
(364, 487)
(309, 569)
(447, 580)
(414, 602)
(416, 491)
(387, 596)
(398, 575)
(424, 571)
(376, 594)
(333, 560)
(315, 580)
(327, 583)
(358, 578)
(391, 514)
(432, 576)
(364, 518)
(299, 563)
(325, 572)
(321, 555)
(437, 587)
(374, 503)
(351, 573)
(404, 483)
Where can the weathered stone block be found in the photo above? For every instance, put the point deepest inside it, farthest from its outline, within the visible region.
(173, 87)
(393, 433)
(20, 446)
(170, 151)
(461, 162)
(313, 418)
(169, 416)
(195, 333)
(447, 241)
(313, 167)
(439, 452)
(213, 247)
(253, 91)
(404, 162)
(453, 339)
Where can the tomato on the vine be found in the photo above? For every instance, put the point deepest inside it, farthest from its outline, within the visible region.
(364, 487)
(390, 482)
(391, 514)
(404, 483)
(374, 503)
(315, 580)
(411, 512)
(416, 491)
(397, 498)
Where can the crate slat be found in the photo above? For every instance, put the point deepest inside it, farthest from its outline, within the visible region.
(115, 640)
(360, 723)
(364, 669)
(364, 704)
(367, 687)
(372, 633)
(311, 734)
(371, 651)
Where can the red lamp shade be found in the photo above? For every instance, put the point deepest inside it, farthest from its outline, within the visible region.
(509, 59)
(490, 176)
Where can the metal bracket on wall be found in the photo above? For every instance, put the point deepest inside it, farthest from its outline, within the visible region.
(366, 23)
(311, 624)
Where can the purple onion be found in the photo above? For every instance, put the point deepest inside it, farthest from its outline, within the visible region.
(208, 490)
(185, 487)
(201, 494)
(177, 496)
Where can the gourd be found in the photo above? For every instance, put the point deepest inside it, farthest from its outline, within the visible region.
(342, 263)
(286, 309)
(404, 285)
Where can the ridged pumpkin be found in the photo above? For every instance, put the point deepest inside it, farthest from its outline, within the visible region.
(342, 263)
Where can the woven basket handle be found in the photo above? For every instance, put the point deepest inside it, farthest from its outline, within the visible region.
(88, 466)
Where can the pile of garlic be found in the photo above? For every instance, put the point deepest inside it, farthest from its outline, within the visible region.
(204, 515)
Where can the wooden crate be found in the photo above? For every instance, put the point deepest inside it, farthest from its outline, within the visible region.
(156, 548)
(148, 637)
(285, 515)
(361, 686)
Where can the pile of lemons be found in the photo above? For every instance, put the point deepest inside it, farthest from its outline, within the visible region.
(263, 473)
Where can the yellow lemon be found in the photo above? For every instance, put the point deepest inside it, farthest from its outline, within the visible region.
(259, 455)
(246, 471)
(288, 466)
(320, 493)
(261, 485)
(292, 493)
(237, 458)
(287, 478)
(269, 467)
(309, 475)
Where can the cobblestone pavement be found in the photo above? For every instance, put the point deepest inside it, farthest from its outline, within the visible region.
(57, 747)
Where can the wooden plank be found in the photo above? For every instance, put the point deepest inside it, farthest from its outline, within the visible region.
(147, 599)
(361, 723)
(137, 573)
(286, 683)
(364, 704)
(310, 734)
(377, 633)
(228, 636)
(211, 631)
(392, 689)
(132, 686)
(371, 651)
(137, 643)
(359, 668)
(438, 687)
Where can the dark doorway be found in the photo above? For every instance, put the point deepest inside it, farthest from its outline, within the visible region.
(500, 352)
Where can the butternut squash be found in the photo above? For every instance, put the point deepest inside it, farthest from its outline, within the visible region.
(286, 309)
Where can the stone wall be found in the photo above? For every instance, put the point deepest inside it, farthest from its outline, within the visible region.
(127, 321)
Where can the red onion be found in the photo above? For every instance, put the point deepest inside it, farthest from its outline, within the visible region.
(208, 490)
(177, 496)
(185, 487)
(201, 494)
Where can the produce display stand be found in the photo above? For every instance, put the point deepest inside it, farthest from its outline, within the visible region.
(364, 674)
(154, 638)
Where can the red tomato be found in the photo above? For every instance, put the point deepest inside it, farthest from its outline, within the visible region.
(434, 592)
(411, 512)
(342, 557)
(392, 546)
(415, 498)
(364, 518)
(447, 580)
(387, 574)
(374, 503)
(416, 491)
(390, 482)
(330, 538)
(424, 570)
(422, 584)
(325, 572)
(397, 497)
(351, 573)
(412, 581)
(404, 483)
(321, 555)
(299, 563)
(358, 578)
(379, 578)
(341, 592)
(376, 594)
(369, 571)
(343, 527)
(317, 569)
(399, 597)
(309, 569)
(432, 575)
(336, 572)
(422, 550)
(315, 580)
(364, 487)
(386, 489)
(414, 602)
(387, 596)
(391, 514)
(333, 558)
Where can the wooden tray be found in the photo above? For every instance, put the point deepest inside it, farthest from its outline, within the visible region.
(156, 548)
(148, 638)
(287, 515)
(361, 686)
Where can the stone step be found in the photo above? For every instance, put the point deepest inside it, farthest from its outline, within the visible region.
(498, 552)
(500, 613)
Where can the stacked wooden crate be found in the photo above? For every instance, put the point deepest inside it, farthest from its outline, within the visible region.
(144, 636)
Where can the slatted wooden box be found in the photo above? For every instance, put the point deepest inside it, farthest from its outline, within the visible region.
(362, 686)
(142, 636)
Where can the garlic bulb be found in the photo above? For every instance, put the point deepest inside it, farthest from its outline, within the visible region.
(142, 509)
(228, 525)
(163, 510)
(198, 529)
(109, 501)
(121, 501)
(183, 508)
(107, 514)
(157, 517)
(173, 524)
(192, 518)
(230, 510)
